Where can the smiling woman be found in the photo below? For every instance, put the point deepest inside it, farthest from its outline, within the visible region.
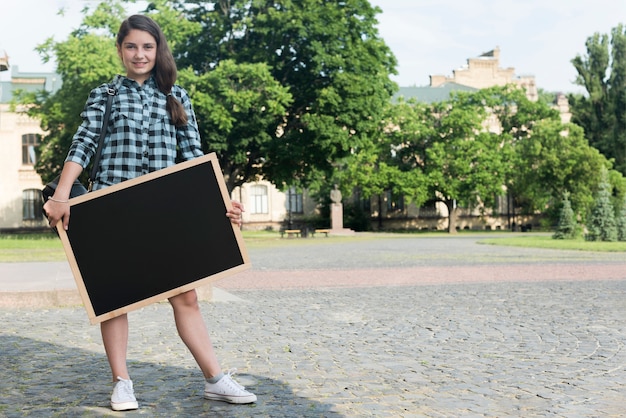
(151, 119)
(138, 54)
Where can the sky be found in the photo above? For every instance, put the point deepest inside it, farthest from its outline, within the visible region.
(428, 37)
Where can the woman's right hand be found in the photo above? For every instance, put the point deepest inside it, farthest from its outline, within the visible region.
(57, 210)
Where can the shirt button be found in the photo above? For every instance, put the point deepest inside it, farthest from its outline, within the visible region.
(145, 154)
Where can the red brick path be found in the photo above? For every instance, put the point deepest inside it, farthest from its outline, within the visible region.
(290, 279)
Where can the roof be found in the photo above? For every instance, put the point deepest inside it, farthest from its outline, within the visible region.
(29, 82)
(428, 94)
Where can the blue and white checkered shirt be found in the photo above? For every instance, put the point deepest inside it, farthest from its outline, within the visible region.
(141, 137)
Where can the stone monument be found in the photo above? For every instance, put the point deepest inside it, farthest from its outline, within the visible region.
(336, 214)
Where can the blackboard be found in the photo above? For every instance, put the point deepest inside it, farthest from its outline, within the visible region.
(151, 238)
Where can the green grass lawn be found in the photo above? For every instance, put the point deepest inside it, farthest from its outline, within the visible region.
(47, 247)
(30, 247)
(546, 241)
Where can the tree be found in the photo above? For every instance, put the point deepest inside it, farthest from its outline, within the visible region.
(385, 164)
(602, 112)
(566, 228)
(465, 164)
(442, 152)
(330, 57)
(240, 108)
(445, 152)
(601, 225)
(554, 159)
(621, 222)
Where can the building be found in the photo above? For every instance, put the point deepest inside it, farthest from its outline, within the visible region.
(20, 185)
(480, 72)
(484, 71)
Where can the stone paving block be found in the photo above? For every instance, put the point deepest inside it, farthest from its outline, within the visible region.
(497, 348)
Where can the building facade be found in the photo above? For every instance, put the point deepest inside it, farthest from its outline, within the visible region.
(20, 185)
(484, 71)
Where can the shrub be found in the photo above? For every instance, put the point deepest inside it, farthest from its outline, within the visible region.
(621, 223)
(567, 228)
(602, 225)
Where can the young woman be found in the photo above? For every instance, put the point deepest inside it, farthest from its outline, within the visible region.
(150, 116)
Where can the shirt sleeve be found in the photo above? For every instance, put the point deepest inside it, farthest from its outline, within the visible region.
(85, 140)
(188, 136)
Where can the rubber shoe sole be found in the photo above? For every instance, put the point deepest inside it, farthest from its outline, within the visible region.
(230, 399)
(124, 406)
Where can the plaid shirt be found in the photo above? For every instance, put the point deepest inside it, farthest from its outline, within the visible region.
(140, 139)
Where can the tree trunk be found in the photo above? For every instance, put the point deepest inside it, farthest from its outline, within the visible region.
(452, 216)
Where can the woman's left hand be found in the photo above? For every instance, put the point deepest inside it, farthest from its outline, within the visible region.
(235, 214)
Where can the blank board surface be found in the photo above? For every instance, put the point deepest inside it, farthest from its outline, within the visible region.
(152, 237)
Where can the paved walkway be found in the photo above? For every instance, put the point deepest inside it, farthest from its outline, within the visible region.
(326, 328)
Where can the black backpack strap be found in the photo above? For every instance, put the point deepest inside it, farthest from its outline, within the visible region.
(111, 91)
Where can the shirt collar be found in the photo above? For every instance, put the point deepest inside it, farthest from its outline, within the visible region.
(127, 82)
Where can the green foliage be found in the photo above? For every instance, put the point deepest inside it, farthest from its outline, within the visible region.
(546, 97)
(621, 222)
(384, 164)
(330, 57)
(464, 163)
(515, 112)
(556, 159)
(443, 151)
(240, 108)
(543, 241)
(602, 225)
(567, 228)
(356, 218)
(602, 72)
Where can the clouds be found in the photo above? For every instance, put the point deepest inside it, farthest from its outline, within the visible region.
(538, 37)
(28, 23)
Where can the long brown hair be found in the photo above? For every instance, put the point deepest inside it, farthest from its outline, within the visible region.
(164, 69)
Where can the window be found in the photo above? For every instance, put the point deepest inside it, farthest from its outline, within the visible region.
(294, 200)
(32, 205)
(362, 202)
(258, 199)
(29, 147)
(394, 203)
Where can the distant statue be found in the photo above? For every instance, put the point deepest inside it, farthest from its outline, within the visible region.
(335, 195)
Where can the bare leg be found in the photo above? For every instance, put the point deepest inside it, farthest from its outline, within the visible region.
(115, 338)
(193, 332)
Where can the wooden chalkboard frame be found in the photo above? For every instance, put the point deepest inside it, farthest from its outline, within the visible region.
(153, 237)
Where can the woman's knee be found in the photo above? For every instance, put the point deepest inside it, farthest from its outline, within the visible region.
(185, 300)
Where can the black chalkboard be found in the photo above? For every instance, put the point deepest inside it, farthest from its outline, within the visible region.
(152, 237)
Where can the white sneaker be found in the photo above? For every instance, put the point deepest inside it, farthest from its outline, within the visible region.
(123, 397)
(227, 390)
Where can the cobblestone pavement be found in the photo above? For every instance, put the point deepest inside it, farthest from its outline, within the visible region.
(540, 345)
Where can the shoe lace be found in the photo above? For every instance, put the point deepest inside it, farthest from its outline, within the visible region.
(125, 388)
(230, 373)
